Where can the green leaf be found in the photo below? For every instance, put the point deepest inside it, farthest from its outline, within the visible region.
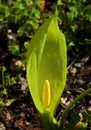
(3, 68)
(2, 104)
(14, 49)
(46, 60)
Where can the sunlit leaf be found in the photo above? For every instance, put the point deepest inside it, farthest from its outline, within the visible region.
(46, 60)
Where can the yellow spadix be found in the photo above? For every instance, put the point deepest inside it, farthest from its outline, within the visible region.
(46, 94)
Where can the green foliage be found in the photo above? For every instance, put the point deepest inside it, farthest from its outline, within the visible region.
(23, 13)
(76, 23)
(75, 15)
(78, 122)
(14, 49)
(67, 109)
(2, 69)
(46, 60)
(6, 102)
(7, 82)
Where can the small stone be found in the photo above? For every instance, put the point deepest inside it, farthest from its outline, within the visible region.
(67, 103)
(2, 127)
(89, 101)
(24, 84)
(63, 100)
(78, 65)
(80, 82)
(27, 123)
(89, 109)
(73, 71)
(17, 65)
(68, 92)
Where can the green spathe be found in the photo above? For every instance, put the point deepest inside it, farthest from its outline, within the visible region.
(46, 60)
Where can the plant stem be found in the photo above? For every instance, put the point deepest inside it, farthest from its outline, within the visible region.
(64, 115)
(48, 121)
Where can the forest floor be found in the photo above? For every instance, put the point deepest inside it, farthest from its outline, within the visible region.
(22, 114)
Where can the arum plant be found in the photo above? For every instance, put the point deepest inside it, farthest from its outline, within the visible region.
(46, 70)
